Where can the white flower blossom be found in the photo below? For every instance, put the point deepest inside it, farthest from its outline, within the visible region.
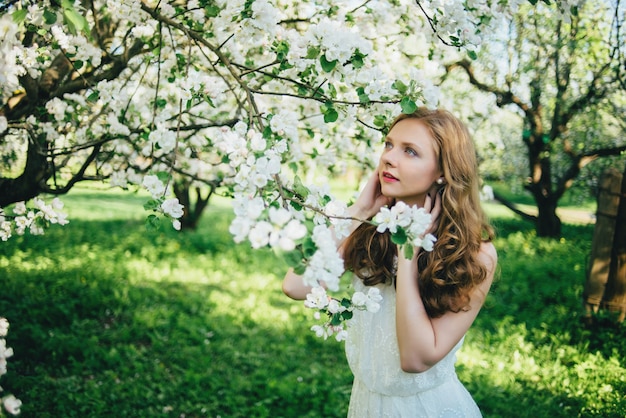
(20, 208)
(259, 235)
(317, 298)
(240, 228)
(5, 352)
(279, 216)
(4, 327)
(12, 404)
(153, 185)
(414, 220)
(295, 230)
(340, 333)
(325, 266)
(172, 208)
(369, 302)
(386, 220)
(320, 331)
(335, 307)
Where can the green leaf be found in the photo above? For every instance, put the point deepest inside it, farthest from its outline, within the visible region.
(19, 15)
(208, 100)
(293, 258)
(308, 247)
(408, 251)
(346, 315)
(164, 176)
(153, 223)
(297, 206)
(49, 17)
(400, 86)
(379, 121)
(408, 105)
(399, 237)
(282, 49)
(74, 20)
(472, 55)
(363, 97)
(152, 204)
(211, 11)
(330, 113)
(312, 53)
(300, 189)
(357, 59)
(331, 116)
(335, 319)
(327, 66)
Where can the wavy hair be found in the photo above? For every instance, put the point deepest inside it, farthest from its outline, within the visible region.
(449, 272)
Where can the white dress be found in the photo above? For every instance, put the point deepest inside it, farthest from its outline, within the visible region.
(381, 388)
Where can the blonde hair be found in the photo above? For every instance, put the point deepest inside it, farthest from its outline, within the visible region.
(451, 270)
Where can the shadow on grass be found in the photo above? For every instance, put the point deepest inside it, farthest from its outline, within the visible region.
(89, 344)
(545, 277)
(102, 324)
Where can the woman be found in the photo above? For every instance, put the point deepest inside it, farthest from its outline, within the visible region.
(403, 356)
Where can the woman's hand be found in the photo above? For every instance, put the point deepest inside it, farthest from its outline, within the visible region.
(432, 205)
(371, 199)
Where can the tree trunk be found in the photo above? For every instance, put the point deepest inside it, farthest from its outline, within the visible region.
(37, 171)
(192, 209)
(615, 294)
(548, 222)
(598, 273)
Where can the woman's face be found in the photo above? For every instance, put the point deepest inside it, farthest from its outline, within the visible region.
(408, 168)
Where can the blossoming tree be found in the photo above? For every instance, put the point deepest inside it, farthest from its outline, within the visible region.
(565, 81)
(242, 96)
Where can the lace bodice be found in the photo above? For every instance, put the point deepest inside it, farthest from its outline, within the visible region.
(373, 355)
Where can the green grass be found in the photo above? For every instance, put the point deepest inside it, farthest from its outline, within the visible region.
(108, 319)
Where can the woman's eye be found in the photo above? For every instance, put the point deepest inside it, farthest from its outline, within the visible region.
(388, 145)
(411, 151)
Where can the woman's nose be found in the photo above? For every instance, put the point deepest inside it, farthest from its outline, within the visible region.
(388, 157)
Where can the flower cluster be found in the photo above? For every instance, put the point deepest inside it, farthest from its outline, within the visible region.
(33, 220)
(281, 230)
(408, 225)
(10, 402)
(465, 24)
(171, 207)
(338, 312)
(325, 265)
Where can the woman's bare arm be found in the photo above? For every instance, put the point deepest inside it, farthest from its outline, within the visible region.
(424, 341)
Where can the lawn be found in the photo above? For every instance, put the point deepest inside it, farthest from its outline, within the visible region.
(109, 319)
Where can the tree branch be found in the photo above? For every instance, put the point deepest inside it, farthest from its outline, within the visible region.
(503, 97)
(510, 205)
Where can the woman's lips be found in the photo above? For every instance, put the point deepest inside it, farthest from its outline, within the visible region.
(387, 177)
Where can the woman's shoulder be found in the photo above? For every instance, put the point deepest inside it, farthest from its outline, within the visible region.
(488, 256)
(487, 249)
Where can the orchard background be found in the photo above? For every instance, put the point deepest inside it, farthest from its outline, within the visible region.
(262, 102)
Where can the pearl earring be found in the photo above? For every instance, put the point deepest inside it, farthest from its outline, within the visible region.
(439, 180)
